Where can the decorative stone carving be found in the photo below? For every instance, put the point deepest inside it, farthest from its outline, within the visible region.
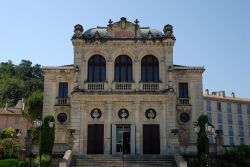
(78, 30)
(150, 113)
(168, 31)
(96, 113)
(123, 113)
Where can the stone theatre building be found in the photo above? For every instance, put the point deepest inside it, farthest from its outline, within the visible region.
(123, 94)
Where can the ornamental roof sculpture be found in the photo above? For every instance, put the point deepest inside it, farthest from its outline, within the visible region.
(123, 29)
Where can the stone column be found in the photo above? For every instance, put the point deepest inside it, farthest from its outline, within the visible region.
(138, 138)
(137, 73)
(83, 130)
(108, 126)
(110, 72)
(164, 129)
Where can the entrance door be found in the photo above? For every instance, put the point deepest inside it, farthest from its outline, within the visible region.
(95, 139)
(123, 139)
(151, 139)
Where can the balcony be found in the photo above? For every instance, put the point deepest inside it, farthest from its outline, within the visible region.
(62, 101)
(183, 104)
(150, 86)
(122, 86)
(95, 86)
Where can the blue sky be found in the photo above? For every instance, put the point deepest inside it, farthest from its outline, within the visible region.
(212, 33)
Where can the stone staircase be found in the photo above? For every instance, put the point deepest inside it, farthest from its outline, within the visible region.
(123, 161)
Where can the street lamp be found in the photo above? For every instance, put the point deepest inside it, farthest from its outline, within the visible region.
(38, 124)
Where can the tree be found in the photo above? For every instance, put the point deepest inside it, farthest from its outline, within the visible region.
(7, 69)
(34, 105)
(24, 70)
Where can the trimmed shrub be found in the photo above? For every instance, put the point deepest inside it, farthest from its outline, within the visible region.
(23, 164)
(47, 136)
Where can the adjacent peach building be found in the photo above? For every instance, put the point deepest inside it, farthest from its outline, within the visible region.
(12, 117)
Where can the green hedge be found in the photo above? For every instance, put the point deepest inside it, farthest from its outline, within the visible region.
(9, 163)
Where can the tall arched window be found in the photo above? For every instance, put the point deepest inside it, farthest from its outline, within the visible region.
(123, 69)
(96, 69)
(149, 69)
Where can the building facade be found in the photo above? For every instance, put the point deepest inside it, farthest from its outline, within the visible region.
(123, 94)
(231, 115)
(13, 117)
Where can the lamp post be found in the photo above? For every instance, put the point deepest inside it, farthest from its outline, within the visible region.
(38, 124)
(203, 131)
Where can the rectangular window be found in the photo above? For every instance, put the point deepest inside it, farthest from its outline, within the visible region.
(209, 117)
(241, 131)
(240, 122)
(249, 131)
(242, 141)
(230, 131)
(248, 109)
(183, 90)
(63, 89)
(220, 127)
(219, 106)
(231, 140)
(219, 118)
(208, 105)
(229, 119)
(248, 120)
(229, 108)
(239, 108)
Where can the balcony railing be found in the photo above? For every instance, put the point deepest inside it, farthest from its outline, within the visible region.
(150, 86)
(62, 101)
(183, 101)
(123, 86)
(96, 86)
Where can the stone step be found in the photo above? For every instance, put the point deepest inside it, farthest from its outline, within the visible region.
(123, 161)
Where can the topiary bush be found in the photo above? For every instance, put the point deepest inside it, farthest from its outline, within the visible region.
(202, 140)
(46, 140)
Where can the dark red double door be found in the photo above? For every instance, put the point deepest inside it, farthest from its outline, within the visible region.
(151, 139)
(95, 139)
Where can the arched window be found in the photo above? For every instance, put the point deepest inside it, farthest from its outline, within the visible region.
(96, 69)
(149, 69)
(123, 69)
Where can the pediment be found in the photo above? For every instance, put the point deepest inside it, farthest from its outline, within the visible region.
(122, 29)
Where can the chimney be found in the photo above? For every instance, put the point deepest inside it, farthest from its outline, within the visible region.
(207, 92)
(222, 93)
(233, 95)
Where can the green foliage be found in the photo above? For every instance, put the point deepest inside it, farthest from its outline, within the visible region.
(47, 136)
(9, 163)
(23, 164)
(17, 81)
(45, 160)
(202, 140)
(8, 133)
(35, 136)
(10, 148)
(238, 156)
(34, 105)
